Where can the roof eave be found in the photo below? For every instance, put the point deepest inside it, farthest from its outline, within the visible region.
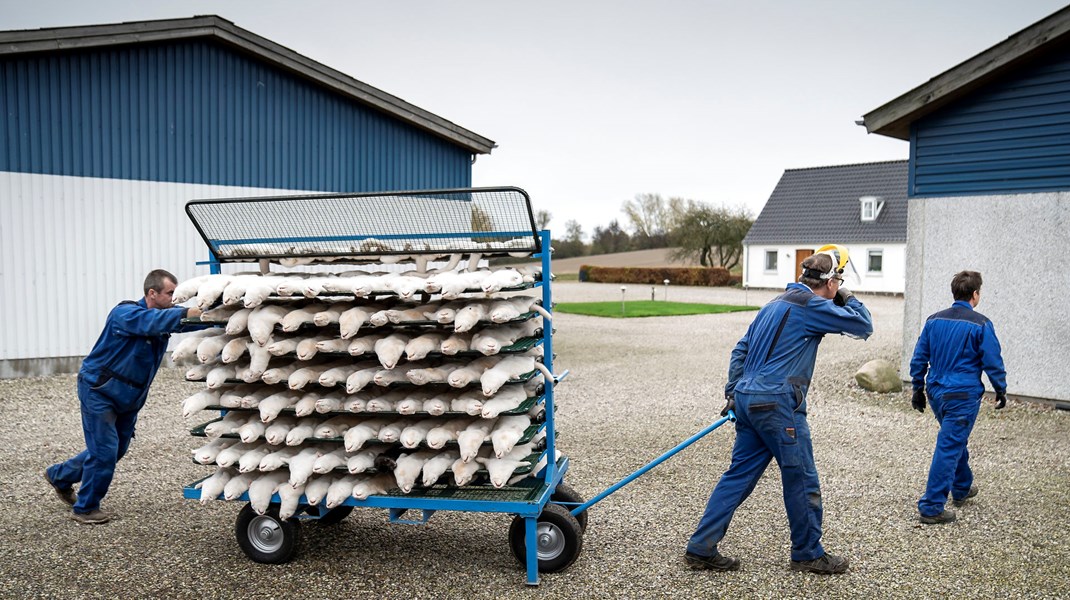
(894, 118)
(92, 36)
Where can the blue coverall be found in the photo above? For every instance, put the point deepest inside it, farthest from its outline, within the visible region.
(769, 377)
(955, 345)
(112, 386)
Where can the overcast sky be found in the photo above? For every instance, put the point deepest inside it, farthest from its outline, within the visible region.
(593, 102)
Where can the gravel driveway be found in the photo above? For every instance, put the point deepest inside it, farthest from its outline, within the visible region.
(637, 387)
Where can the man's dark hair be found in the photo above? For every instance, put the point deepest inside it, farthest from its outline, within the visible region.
(821, 263)
(155, 280)
(964, 284)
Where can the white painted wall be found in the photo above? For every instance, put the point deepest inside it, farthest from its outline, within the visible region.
(73, 247)
(1021, 246)
(891, 279)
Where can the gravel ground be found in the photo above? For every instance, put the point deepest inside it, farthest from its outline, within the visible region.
(637, 388)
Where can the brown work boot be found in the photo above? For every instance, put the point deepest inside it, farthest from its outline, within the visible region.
(93, 517)
(717, 562)
(66, 495)
(829, 564)
(946, 516)
(970, 494)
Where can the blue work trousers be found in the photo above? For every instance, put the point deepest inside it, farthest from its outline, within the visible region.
(768, 426)
(950, 470)
(107, 437)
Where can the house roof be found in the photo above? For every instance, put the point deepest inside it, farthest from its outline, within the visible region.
(820, 205)
(60, 39)
(893, 119)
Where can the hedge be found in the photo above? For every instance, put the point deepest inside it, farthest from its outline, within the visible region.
(707, 276)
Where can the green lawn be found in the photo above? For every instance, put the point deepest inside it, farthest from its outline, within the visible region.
(645, 308)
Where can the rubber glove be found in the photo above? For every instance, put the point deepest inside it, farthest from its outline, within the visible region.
(918, 400)
(842, 296)
(1001, 400)
(729, 405)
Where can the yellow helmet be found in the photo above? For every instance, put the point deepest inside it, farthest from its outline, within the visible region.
(841, 264)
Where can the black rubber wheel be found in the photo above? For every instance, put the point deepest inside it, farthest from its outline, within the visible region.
(267, 538)
(333, 516)
(565, 493)
(558, 535)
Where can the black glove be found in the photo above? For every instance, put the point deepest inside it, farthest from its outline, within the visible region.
(729, 405)
(842, 296)
(918, 400)
(1001, 400)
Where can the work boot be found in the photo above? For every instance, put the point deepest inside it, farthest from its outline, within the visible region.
(829, 564)
(66, 495)
(946, 516)
(717, 562)
(93, 517)
(970, 494)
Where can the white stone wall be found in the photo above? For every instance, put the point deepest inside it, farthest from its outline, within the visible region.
(889, 280)
(1021, 246)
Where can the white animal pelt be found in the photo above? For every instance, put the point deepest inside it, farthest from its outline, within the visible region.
(230, 455)
(301, 316)
(303, 430)
(464, 471)
(261, 289)
(333, 345)
(507, 398)
(276, 432)
(447, 431)
(199, 401)
(209, 291)
(471, 372)
(456, 343)
(508, 432)
(228, 424)
(390, 349)
(408, 468)
(207, 453)
(420, 346)
(213, 486)
(350, 321)
(340, 490)
(271, 406)
(335, 426)
(329, 460)
(217, 315)
(424, 376)
(391, 432)
(188, 288)
(469, 316)
(356, 436)
(262, 322)
(250, 461)
(186, 350)
(238, 322)
(303, 463)
(439, 464)
(210, 348)
(473, 436)
(263, 488)
(509, 368)
(317, 487)
(491, 340)
(502, 278)
(501, 311)
(277, 459)
(279, 374)
(237, 485)
(309, 347)
(364, 460)
(364, 344)
(501, 469)
(289, 499)
(416, 432)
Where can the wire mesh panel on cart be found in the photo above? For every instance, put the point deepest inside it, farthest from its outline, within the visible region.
(475, 220)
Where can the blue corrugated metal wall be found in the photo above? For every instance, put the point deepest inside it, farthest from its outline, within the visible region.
(197, 112)
(1011, 136)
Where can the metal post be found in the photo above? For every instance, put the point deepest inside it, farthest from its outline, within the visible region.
(651, 293)
(666, 290)
(622, 289)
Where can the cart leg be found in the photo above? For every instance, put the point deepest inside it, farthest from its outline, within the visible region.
(531, 543)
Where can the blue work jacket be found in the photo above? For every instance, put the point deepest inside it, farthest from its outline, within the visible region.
(129, 351)
(779, 349)
(955, 345)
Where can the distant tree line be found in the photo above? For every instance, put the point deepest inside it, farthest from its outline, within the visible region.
(711, 236)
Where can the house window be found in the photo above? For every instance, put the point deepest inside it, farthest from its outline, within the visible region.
(871, 207)
(876, 261)
(770, 260)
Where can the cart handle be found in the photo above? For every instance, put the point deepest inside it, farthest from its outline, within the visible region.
(657, 461)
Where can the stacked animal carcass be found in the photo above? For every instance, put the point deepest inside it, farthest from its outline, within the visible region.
(356, 383)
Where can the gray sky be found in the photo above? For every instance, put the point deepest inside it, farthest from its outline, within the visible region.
(592, 102)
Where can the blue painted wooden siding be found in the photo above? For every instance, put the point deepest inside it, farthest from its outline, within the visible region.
(1011, 136)
(198, 112)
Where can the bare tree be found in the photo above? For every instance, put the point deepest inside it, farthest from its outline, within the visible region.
(649, 219)
(542, 219)
(713, 236)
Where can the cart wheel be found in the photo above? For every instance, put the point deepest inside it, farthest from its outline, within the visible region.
(565, 493)
(558, 535)
(267, 538)
(333, 516)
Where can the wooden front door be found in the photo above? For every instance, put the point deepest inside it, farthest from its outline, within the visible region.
(800, 256)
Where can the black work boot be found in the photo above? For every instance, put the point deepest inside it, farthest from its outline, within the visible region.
(66, 495)
(717, 562)
(946, 516)
(970, 494)
(829, 564)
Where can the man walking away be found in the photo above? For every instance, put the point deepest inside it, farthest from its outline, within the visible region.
(954, 347)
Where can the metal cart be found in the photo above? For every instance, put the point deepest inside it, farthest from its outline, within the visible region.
(362, 228)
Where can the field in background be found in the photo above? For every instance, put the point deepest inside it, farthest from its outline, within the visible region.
(645, 308)
(658, 257)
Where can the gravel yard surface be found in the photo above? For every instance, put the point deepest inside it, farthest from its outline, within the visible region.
(638, 387)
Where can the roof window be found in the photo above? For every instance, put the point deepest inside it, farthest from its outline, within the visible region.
(871, 207)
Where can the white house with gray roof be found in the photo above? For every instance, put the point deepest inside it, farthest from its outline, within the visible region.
(860, 206)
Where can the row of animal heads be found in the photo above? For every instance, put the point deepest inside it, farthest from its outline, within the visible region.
(492, 372)
(251, 290)
(311, 475)
(262, 324)
(271, 401)
(355, 431)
